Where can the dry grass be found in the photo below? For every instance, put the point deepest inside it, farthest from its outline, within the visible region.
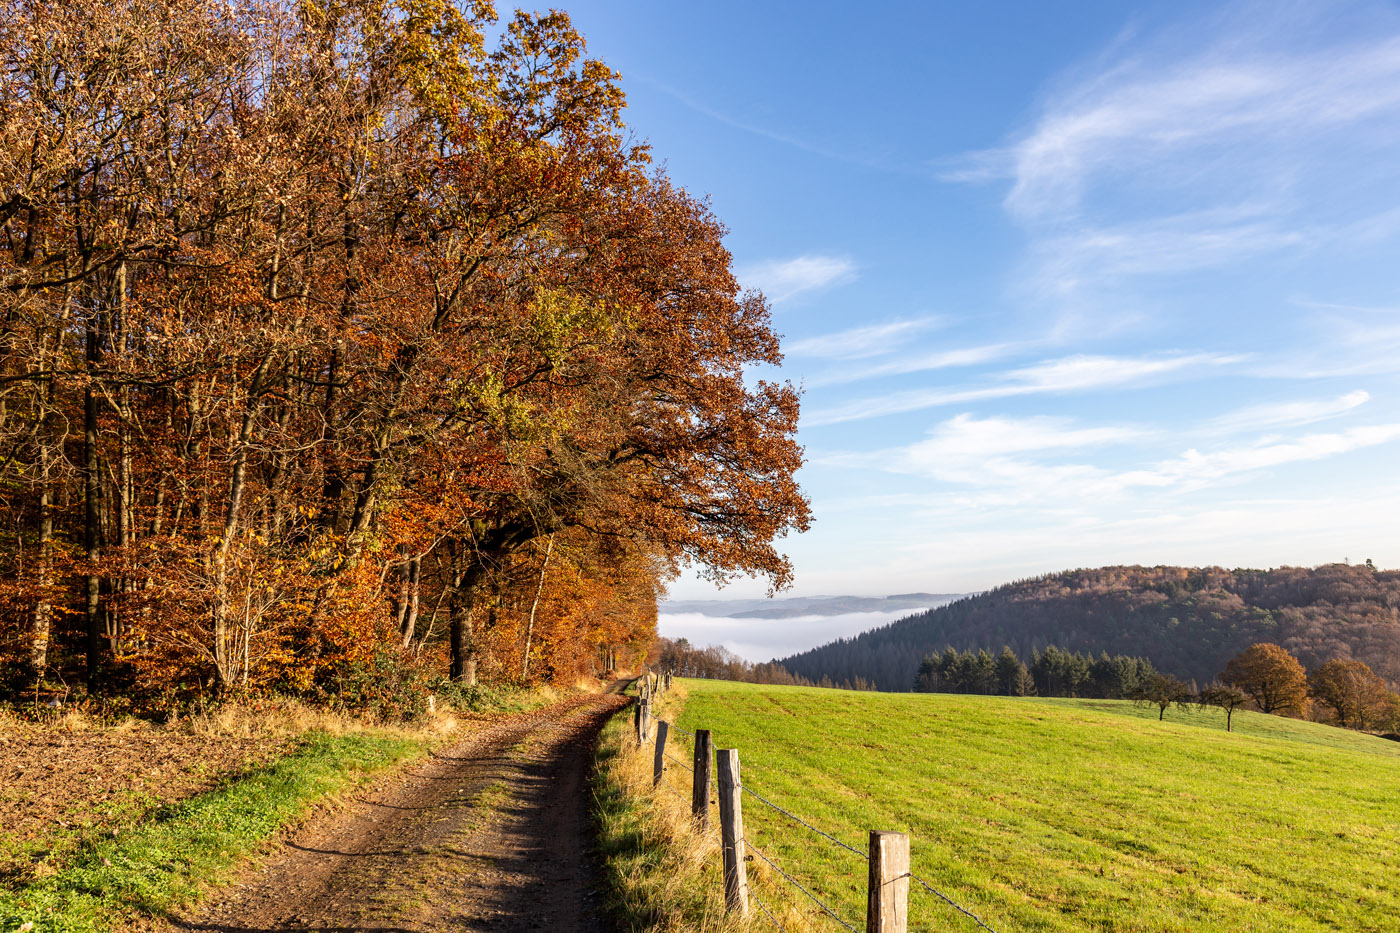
(665, 871)
(290, 717)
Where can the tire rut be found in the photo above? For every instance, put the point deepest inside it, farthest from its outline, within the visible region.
(491, 834)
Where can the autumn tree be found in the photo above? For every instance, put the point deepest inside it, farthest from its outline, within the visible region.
(336, 341)
(1272, 678)
(1358, 698)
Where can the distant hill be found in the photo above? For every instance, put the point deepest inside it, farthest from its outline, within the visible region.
(1187, 621)
(793, 606)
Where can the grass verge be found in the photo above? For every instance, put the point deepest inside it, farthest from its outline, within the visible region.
(165, 862)
(661, 874)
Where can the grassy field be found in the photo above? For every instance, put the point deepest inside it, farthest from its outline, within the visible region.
(1047, 814)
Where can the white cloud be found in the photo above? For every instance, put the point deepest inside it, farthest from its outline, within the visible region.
(1276, 137)
(968, 438)
(1147, 114)
(1105, 254)
(1256, 417)
(1068, 374)
(1002, 461)
(783, 279)
(982, 452)
(1194, 468)
(1241, 532)
(860, 342)
(1087, 371)
(917, 363)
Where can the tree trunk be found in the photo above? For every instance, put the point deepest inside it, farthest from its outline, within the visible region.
(41, 626)
(43, 609)
(226, 651)
(408, 618)
(92, 493)
(462, 660)
(530, 628)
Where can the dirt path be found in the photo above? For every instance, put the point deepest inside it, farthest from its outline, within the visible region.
(491, 834)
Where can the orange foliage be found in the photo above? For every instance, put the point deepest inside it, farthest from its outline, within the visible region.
(339, 346)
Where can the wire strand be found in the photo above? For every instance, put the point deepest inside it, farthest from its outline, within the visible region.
(798, 819)
(759, 901)
(952, 903)
(852, 849)
(798, 885)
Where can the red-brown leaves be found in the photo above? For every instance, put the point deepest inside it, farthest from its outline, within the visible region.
(333, 317)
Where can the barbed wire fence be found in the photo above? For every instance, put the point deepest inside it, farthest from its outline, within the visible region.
(890, 878)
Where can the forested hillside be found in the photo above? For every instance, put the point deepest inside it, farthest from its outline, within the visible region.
(1186, 621)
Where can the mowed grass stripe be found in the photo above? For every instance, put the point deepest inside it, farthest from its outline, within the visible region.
(1072, 815)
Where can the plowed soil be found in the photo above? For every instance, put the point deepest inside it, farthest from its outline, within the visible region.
(61, 786)
(491, 834)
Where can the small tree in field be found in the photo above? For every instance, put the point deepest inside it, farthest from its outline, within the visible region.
(1226, 696)
(1272, 678)
(1161, 691)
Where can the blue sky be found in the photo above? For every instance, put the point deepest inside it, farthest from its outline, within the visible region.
(1065, 284)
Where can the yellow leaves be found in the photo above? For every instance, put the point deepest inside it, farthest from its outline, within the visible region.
(562, 321)
(441, 54)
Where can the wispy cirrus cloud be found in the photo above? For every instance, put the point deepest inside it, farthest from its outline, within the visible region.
(862, 342)
(1195, 468)
(1285, 414)
(1009, 461)
(1098, 256)
(1077, 373)
(1158, 115)
(924, 362)
(1170, 156)
(784, 279)
(967, 448)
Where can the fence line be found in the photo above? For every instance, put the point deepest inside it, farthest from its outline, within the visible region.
(745, 789)
(759, 901)
(951, 903)
(801, 821)
(798, 885)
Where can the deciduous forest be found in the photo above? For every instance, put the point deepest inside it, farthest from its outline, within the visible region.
(1186, 621)
(342, 347)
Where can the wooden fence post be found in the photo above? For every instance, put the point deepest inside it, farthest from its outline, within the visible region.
(731, 831)
(887, 909)
(637, 719)
(700, 788)
(659, 763)
(646, 722)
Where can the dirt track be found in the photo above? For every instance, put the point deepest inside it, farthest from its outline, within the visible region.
(491, 834)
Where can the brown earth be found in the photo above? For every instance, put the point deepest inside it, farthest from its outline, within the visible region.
(62, 784)
(490, 834)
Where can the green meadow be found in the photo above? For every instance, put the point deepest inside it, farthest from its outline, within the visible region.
(1057, 815)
